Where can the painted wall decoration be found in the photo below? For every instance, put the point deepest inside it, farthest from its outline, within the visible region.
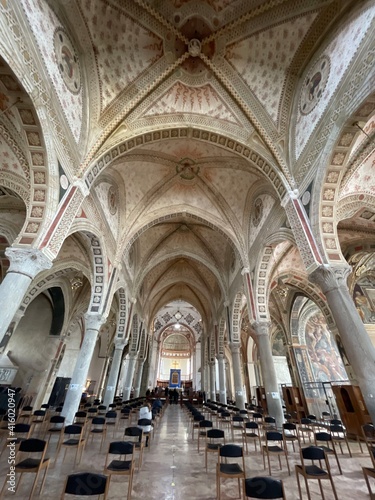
(364, 299)
(175, 378)
(314, 85)
(67, 61)
(278, 344)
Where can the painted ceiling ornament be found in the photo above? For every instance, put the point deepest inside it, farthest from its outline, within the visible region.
(314, 85)
(67, 61)
(194, 47)
(187, 169)
(112, 200)
(258, 211)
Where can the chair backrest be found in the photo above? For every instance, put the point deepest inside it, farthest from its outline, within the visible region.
(231, 451)
(323, 436)
(337, 429)
(205, 423)
(215, 434)
(144, 422)
(121, 448)
(269, 420)
(198, 418)
(32, 445)
(251, 425)
(306, 421)
(368, 431)
(86, 484)
(257, 415)
(313, 453)
(311, 417)
(27, 409)
(73, 429)
(225, 414)
(39, 413)
(98, 421)
(237, 418)
(57, 419)
(111, 414)
(335, 421)
(21, 428)
(274, 436)
(133, 431)
(264, 487)
(81, 414)
(289, 426)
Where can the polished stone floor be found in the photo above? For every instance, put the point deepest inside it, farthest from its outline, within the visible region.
(173, 469)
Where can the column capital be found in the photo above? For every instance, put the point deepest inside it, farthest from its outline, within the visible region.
(330, 278)
(245, 270)
(94, 321)
(261, 327)
(226, 303)
(119, 345)
(133, 300)
(27, 261)
(235, 347)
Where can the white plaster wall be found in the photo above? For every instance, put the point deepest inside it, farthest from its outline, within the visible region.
(282, 370)
(167, 364)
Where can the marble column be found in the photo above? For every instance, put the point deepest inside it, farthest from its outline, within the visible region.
(197, 367)
(237, 375)
(110, 389)
(212, 381)
(355, 339)
(222, 384)
(93, 323)
(145, 377)
(151, 379)
(25, 264)
(138, 377)
(129, 374)
(271, 386)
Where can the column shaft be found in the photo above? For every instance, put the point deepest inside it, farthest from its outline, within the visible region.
(237, 375)
(25, 264)
(271, 386)
(110, 390)
(355, 339)
(129, 374)
(222, 389)
(138, 378)
(212, 381)
(93, 322)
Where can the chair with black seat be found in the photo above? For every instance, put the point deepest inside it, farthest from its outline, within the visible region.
(368, 432)
(258, 418)
(80, 418)
(146, 425)
(224, 420)
(111, 420)
(198, 417)
(38, 419)
(264, 487)
(237, 425)
(122, 465)
(98, 428)
(86, 484)
(290, 434)
(324, 440)
(102, 410)
(338, 433)
(231, 464)
(25, 414)
(314, 453)
(370, 472)
(274, 446)
(269, 424)
(305, 428)
(215, 439)
(251, 433)
(20, 433)
(134, 435)
(31, 458)
(72, 437)
(55, 428)
(92, 412)
(204, 425)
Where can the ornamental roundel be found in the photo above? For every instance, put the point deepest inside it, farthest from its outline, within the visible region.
(67, 61)
(314, 85)
(112, 200)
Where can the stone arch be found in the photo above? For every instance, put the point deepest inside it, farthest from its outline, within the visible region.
(270, 171)
(221, 338)
(122, 314)
(338, 169)
(133, 343)
(236, 316)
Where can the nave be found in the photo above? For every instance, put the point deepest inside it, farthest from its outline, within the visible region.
(172, 468)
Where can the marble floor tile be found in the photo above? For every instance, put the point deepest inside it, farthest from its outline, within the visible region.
(173, 469)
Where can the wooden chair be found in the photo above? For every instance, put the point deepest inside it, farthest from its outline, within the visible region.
(251, 433)
(324, 440)
(339, 436)
(204, 425)
(86, 484)
(314, 453)
(120, 466)
(235, 469)
(264, 487)
(237, 425)
(98, 427)
(215, 439)
(72, 437)
(274, 446)
(135, 436)
(290, 434)
(31, 458)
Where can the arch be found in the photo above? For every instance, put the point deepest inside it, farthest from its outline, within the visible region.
(221, 338)
(264, 166)
(236, 316)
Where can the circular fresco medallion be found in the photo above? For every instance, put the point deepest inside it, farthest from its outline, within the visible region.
(314, 85)
(67, 61)
(306, 198)
(64, 183)
(112, 200)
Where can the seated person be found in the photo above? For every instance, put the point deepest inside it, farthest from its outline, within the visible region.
(157, 405)
(145, 413)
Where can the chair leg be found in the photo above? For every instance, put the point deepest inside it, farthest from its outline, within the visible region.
(287, 462)
(34, 484)
(321, 489)
(269, 463)
(307, 489)
(130, 485)
(299, 485)
(333, 488)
